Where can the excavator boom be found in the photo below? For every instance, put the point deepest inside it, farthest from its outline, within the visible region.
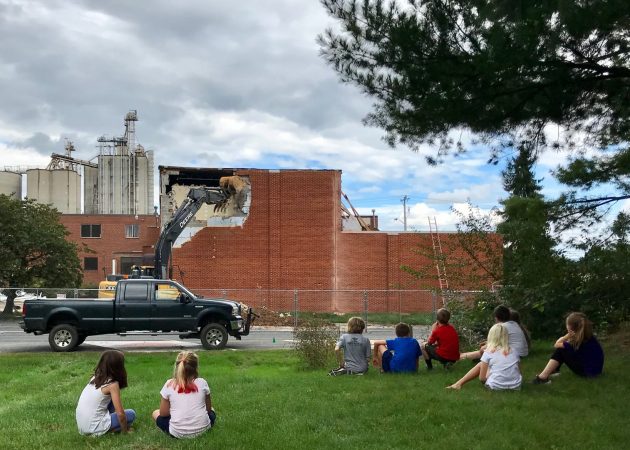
(232, 188)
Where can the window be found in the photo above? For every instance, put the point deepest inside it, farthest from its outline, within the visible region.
(90, 263)
(131, 231)
(136, 292)
(127, 262)
(91, 231)
(166, 291)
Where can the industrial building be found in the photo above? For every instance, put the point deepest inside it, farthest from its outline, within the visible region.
(119, 180)
(294, 237)
(297, 230)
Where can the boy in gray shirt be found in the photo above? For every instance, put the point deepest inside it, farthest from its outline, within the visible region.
(353, 350)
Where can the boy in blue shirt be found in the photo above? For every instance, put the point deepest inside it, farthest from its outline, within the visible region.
(398, 355)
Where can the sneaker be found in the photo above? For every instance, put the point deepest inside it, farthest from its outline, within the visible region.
(338, 371)
(539, 380)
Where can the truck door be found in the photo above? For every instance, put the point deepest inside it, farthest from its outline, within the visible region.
(170, 313)
(134, 307)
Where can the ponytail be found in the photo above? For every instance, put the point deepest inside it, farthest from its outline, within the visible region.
(185, 372)
(581, 327)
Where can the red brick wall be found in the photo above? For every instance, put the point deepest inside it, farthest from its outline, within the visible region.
(112, 244)
(292, 239)
(286, 243)
(373, 261)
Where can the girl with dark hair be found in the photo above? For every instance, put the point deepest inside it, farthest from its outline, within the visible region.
(186, 405)
(100, 408)
(578, 349)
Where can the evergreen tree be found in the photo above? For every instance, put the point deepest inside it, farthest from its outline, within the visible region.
(498, 68)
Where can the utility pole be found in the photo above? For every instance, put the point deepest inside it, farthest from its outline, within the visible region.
(404, 202)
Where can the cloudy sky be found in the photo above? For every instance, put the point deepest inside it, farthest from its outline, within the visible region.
(215, 84)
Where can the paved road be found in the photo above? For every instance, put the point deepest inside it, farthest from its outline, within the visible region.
(14, 340)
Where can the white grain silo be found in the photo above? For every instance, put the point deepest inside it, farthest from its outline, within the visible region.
(11, 184)
(60, 188)
(143, 180)
(90, 190)
(38, 183)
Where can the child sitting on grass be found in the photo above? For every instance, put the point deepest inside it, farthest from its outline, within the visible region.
(578, 349)
(352, 350)
(100, 408)
(186, 406)
(443, 344)
(500, 365)
(398, 355)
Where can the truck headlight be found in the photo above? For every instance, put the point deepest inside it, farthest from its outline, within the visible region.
(235, 311)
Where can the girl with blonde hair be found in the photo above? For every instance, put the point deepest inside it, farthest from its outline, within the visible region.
(186, 404)
(579, 349)
(500, 365)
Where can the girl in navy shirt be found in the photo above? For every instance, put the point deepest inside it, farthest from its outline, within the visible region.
(578, 349)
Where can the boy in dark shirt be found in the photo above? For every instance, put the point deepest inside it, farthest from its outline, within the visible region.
(398, 355)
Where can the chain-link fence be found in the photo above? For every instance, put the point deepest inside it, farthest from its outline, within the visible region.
(287, 306)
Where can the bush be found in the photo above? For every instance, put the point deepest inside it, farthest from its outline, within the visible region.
(472, 318)
(314, 342)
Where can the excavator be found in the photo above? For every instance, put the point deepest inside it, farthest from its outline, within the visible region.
(232, 190)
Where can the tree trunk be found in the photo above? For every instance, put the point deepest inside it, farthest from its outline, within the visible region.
(10, 303)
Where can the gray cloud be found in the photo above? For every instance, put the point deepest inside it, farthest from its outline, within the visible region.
(235, 83)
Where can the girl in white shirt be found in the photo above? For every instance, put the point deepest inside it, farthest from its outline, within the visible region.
(186, 405)
(100, 408)
(500, 365)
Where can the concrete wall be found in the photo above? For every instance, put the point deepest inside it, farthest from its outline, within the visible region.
(59, 188)
(11, 184)
(90, 190)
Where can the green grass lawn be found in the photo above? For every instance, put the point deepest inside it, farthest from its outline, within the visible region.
(265, 400)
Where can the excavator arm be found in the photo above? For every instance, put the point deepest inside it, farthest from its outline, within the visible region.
(230, 187)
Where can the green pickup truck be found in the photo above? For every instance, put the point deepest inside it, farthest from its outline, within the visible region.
(144, 306)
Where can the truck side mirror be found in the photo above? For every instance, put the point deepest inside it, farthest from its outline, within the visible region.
(183, 298)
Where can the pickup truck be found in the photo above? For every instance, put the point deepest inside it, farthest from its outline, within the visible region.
(143, 306)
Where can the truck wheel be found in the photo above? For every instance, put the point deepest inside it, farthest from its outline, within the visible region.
(63, 338)
(82, 338)
(214, 336)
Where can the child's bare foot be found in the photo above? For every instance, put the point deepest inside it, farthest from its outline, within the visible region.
(455, 386)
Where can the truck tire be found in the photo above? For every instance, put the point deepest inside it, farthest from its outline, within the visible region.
(63, 338)
(214, 336)
(82, 338)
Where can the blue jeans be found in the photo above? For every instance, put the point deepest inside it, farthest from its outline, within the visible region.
(129, 413)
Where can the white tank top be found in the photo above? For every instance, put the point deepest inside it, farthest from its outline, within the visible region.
(92, 414)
